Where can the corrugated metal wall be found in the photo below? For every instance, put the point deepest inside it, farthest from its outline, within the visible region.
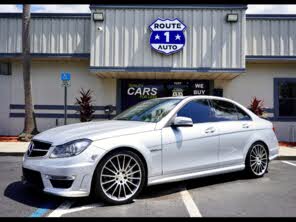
(210, 41)
(124, 41)
(271, 37)
(48, 35)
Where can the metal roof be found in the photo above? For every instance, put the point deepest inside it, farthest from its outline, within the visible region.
(271, 16)
(170, 6)
(47, 15)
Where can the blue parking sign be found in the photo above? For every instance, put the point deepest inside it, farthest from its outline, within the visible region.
(65, 76)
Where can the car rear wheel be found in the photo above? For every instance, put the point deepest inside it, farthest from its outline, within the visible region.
(119, 177)
(257, 160)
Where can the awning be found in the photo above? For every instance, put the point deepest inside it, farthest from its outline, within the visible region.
(165, 73)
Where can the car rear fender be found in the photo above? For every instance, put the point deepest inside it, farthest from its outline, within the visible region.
(266, 136)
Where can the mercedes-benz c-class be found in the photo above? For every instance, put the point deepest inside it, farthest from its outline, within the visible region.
(155, 141)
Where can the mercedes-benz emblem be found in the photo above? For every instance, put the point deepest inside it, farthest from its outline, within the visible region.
(30, 149)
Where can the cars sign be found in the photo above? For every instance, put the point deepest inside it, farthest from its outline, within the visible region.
(167, 35)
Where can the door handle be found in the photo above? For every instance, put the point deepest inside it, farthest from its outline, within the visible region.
(210, 130)
(245, 126)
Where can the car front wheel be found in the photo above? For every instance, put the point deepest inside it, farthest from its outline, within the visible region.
(257, 160)
(119, 177)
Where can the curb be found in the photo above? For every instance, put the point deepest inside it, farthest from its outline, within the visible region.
(286, 158)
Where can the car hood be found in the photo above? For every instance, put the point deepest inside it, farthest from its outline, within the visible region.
(93, 130)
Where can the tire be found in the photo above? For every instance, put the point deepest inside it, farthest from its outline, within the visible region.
(257, 160)
(119, 184)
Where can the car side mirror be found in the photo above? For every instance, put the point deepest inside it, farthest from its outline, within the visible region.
(180, 121)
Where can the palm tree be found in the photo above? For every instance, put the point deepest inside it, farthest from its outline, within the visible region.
(30, 127)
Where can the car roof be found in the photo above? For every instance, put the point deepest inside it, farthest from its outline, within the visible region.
(196, 97)
(188, 98)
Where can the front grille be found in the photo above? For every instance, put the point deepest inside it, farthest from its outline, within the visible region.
(41, 145)
(33, 177)
(38, 148)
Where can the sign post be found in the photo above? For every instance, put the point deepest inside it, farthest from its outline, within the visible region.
(65, 77)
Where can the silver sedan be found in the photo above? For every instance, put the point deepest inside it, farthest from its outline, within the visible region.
(156, 141)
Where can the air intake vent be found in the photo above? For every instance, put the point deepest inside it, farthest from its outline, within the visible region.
(33, 177)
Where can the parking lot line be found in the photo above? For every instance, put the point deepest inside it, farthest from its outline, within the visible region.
(41, 211)
(85, 207)
(190, 204)
(287, 162)
(62, 209)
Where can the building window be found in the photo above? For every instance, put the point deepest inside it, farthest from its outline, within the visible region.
(5, 68)
(285, 98)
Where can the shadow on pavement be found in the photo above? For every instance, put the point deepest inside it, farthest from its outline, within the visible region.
(174, 187)
(31, 196)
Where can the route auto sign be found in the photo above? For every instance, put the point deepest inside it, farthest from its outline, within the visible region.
(167, 35)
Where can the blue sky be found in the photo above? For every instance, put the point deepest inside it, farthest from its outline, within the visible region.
(260, 9)
(33, 8)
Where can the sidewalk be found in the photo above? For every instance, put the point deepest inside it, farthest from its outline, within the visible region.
(287, 153)
(13, 148)
(19, 148)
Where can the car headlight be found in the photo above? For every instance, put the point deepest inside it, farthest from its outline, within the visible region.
(69, 149)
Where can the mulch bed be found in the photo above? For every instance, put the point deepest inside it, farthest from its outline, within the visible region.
(287, 144)
(8, 139)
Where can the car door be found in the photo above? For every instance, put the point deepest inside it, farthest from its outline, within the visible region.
(190, 149)
(235, 127)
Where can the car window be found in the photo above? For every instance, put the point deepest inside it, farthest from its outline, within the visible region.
(224, 111)
(198, 110)
(152, 110)
(242, 115)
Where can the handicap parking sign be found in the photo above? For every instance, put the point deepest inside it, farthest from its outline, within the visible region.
(167, 35)
(65, 76)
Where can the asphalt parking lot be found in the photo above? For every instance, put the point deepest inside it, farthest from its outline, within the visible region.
(226, 195)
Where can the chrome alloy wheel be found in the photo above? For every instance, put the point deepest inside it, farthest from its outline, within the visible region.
(258, 159)
(121, 177)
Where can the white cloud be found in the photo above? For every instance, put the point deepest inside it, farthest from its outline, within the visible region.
(9, 8)
(271, 9)
(61, 8)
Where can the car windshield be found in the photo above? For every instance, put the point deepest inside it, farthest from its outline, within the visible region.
(148, 111)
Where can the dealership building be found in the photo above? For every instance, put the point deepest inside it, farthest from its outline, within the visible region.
(128, 53)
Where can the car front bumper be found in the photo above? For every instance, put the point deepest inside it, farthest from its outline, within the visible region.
(78, 169)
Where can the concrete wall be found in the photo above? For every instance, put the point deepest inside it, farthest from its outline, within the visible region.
(258, 81)
(47, 90)
(5, 90)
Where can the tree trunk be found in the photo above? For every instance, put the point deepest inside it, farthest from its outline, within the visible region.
(30, 127)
